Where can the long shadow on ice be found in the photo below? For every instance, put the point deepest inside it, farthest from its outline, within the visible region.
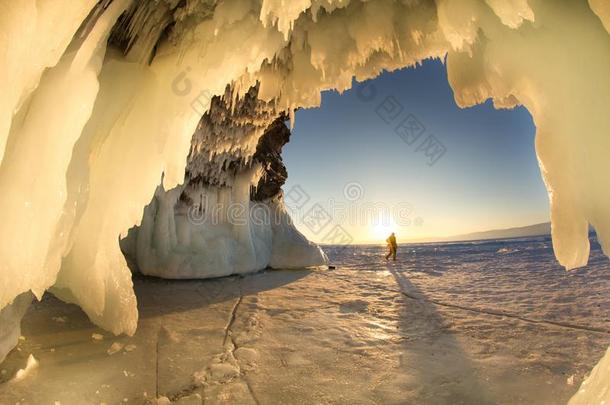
(434, 367)
(442, 371)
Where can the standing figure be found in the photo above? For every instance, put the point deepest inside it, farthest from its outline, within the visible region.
(392, 246)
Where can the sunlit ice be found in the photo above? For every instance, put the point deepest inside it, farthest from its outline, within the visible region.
(142, 140)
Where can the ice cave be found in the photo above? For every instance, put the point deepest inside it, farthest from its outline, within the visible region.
(123, 121)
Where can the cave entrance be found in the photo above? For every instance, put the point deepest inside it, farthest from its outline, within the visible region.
(462, 190)
(397, 154)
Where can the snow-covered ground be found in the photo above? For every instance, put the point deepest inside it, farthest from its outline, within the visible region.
(496, 322)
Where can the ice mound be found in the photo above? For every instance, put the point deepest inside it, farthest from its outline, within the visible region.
(85, 133)
(228, 217)
(227, 235)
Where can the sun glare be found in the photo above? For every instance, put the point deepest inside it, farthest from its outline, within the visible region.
(382, 230)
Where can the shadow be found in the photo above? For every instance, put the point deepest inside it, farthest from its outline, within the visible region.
(446, 373)
(433, 273)
(158, 296)
(435, 368)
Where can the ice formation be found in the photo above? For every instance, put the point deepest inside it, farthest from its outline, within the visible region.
(10, 320)
(30, 366)
(86, 133)
(595, 389)
(228, 216)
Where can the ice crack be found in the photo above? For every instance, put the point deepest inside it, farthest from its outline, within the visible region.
(233, 346)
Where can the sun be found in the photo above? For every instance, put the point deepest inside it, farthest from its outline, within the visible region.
(382, 230)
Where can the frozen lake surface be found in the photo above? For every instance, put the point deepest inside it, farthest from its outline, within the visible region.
(494, 322)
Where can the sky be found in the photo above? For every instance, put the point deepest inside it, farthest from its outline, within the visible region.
(397, 154)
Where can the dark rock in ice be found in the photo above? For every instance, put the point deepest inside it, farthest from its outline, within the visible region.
(268, 153)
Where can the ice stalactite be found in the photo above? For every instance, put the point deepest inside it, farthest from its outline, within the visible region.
(98, 166)
(513, 68)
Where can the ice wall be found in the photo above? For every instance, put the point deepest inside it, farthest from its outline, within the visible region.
(81, 159)
(41, 137)
(33, 37)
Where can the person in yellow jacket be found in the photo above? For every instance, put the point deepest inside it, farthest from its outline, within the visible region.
(392, 246)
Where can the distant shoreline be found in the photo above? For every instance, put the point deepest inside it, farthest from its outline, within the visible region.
(458, 241)
(446, 242)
